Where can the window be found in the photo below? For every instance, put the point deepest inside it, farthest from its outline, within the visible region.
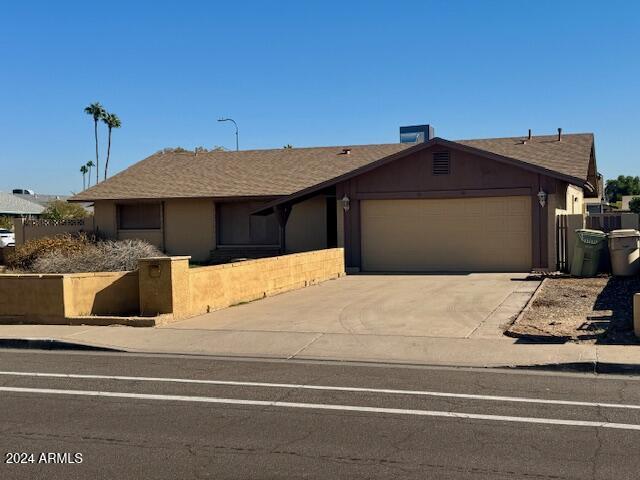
(139, 216)
(441, 163)
(238, 227)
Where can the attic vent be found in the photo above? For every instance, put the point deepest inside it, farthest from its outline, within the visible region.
(441, 163)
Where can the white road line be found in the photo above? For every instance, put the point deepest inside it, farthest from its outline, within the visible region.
(468, 396)
(321, 406)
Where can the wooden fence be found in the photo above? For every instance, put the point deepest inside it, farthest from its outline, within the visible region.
(607, 222)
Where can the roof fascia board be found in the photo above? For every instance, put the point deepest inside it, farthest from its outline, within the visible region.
(164, 199)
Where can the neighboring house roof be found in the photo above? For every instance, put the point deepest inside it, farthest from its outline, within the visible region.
(44, 200)
(13, 205)
(282, 172)
(626, 199)
(41, 199)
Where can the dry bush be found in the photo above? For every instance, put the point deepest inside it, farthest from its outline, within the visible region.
(103, 256)
(25, 255)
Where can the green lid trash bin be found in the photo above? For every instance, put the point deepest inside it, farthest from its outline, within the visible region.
(624, 248)
(586, 255)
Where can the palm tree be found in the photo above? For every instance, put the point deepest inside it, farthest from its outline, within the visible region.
(84, 170)
(97, 111)
(111, 120)
(89, 165)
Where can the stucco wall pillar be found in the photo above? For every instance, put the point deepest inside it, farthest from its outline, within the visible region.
(164, 286)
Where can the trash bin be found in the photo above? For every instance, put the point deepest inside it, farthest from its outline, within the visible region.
(624, 246)
(586, 255)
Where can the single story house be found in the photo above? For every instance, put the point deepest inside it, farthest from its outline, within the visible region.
(426, 205)
(13, 206)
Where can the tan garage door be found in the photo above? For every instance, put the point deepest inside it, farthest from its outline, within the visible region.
(467, 234)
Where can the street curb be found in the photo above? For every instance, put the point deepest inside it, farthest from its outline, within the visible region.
(583, 367)
(50, 344)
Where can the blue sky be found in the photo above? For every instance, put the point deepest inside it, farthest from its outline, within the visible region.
(309, 73)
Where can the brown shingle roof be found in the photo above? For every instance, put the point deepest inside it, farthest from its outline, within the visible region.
(282, 172)
(568, 157)
(275, 172)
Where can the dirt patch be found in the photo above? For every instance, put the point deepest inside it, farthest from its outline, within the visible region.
(590, 310)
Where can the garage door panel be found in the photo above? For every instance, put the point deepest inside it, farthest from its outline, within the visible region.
(518, 225)
(520, 206)
(470, 234)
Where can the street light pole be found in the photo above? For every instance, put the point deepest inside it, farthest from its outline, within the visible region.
(234, 122)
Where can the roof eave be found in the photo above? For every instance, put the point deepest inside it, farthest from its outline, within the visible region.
(161, 199)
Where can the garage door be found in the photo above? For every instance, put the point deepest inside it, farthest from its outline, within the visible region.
(467, 234)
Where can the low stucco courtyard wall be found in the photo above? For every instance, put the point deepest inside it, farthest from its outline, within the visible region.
(54, 297)
(169, 286)
(39, 297)
(164, 286)
(213, 288)
(112, 293)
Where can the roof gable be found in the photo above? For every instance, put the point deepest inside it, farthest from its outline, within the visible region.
(568, 157)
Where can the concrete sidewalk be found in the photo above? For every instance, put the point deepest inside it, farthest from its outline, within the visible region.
(466, 352)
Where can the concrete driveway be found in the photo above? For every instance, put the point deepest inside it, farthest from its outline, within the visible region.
(456, 306)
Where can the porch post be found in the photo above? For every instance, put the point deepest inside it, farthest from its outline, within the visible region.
(282, 214)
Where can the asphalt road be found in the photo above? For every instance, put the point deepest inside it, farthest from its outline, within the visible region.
(186, 417)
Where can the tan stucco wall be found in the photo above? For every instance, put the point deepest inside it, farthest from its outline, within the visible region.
(168, 286)
(55, 297)
(188, 224)
(112, 293)
(557, 205)
(105, 219)
(189, 227)
(164, 286)
(574, 200)
(216, 287)
(104, 214)
(36, 296)
(307, 226)
(154, 237)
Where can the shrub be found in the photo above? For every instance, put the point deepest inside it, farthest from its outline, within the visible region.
(6, 222)
(103, 256)
(61, 210)
(634, 205)
(26, 254)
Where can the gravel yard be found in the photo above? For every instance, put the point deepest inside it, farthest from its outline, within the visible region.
(592, 310)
